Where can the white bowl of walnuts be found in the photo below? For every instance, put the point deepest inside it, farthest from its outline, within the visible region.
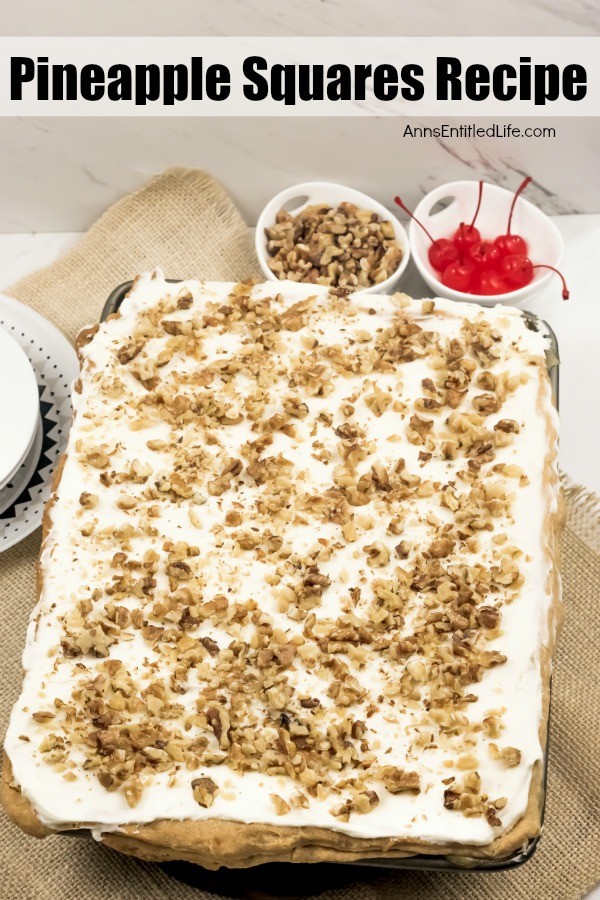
(323, 233)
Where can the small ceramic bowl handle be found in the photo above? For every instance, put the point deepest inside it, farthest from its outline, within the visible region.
(295, 202)
(440, 205)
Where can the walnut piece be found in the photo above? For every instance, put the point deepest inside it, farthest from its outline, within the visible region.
(342, 246)
(396, 780)
(205, 791)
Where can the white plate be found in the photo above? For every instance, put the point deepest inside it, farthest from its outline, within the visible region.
(55, 365)
(24, 473)
(18, 406)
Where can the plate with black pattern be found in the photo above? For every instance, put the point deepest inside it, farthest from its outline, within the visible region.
(56, 367)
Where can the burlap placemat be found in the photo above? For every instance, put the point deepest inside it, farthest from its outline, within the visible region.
(184, 222)
(181, 221)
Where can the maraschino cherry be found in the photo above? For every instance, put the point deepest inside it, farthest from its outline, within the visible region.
(516, 269)
(458, 275)
(442, 251)
(484, 254)
(490, 282)
(511, 244)
(466, 236)
(470, 265)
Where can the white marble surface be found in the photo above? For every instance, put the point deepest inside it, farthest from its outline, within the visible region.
(311, 17)
(576, 323)
(60, 174)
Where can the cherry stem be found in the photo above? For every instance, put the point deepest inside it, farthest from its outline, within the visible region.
(400, 203)
(518, 191)
(478, 204)
(565, 292)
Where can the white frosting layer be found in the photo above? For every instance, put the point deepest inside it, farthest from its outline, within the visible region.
(72, 566)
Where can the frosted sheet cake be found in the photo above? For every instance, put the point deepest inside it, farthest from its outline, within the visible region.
(298, 588)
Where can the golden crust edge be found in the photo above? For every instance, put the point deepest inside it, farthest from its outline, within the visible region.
(213, 843)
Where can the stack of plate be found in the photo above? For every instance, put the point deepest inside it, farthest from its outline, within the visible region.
(37, 369)
(19, 407)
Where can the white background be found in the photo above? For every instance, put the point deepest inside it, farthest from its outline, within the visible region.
(310, 17)
(60, 174)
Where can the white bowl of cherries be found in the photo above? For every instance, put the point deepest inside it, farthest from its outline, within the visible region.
(475, 241)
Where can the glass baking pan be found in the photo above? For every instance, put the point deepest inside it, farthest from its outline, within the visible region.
(252, 879)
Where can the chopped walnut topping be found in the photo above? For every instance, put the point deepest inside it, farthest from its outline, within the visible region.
(133, 792)
(398, 780)
(185, 300)
(378, 554)
(488, 617)
(218, 720)
(97, 458)
(508, 426)
(365, 801)
(441, 547)
(486, 404)
(492, 817)
(281, 807)
(361, 802)
(510, 756)
(378, 401)
(419, 429)
(205, 791)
